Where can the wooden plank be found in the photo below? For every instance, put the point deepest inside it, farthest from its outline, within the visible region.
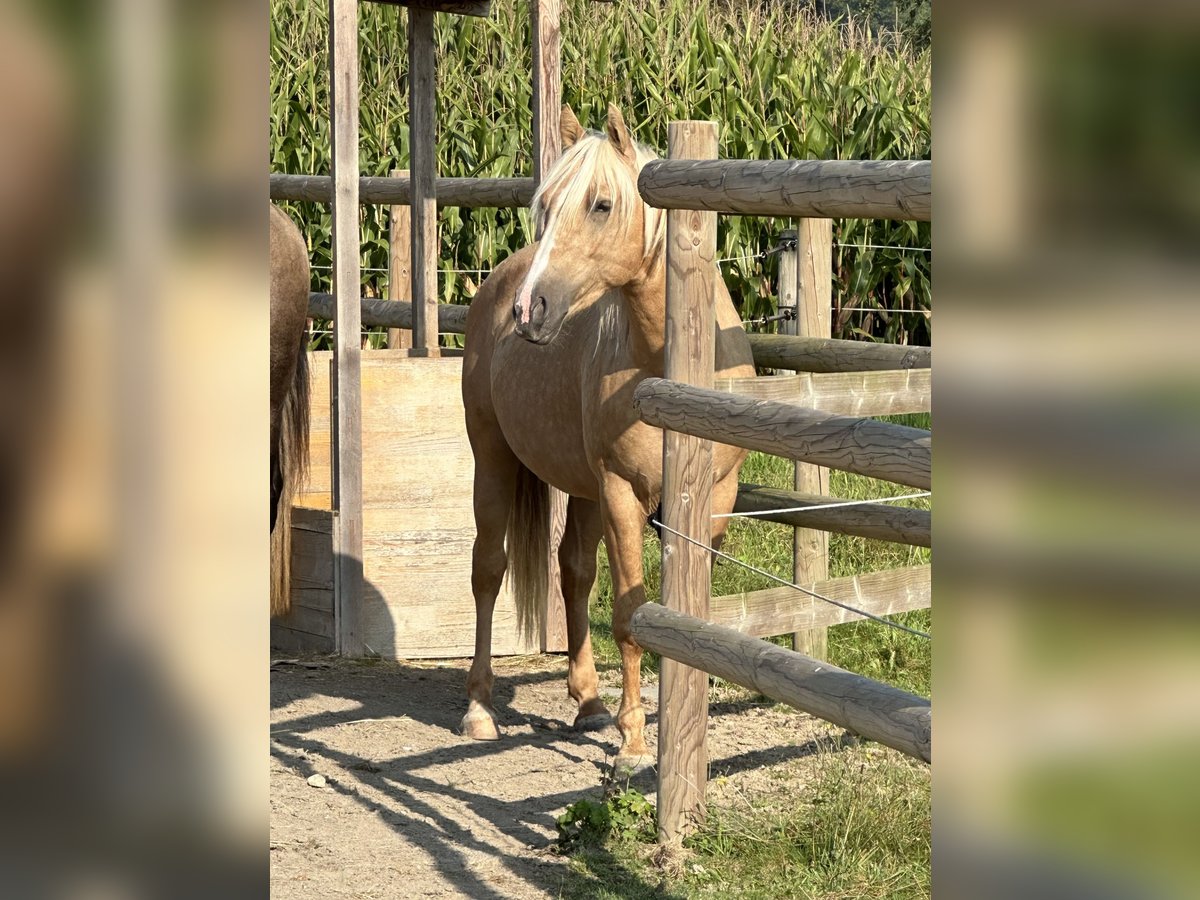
(810, 546)
(479, 8)
(782, 610)
(821, 353)
(686, 496)
(417, 522)
(498, 193)
(863, 446)
(826, 189)
(422, 142)
(400, 265)
(452, 319)
(878, 521)
(290, 640)
(347, 432)
(871, 708)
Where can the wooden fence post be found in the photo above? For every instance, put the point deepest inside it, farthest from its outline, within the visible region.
(813, 268)
(422, 132)
(399, 265)
(686, 497)
(544, 18)
(347, 362)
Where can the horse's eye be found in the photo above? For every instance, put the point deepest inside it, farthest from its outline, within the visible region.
(603, 207)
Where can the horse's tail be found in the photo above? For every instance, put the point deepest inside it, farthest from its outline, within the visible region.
(528, 549)
(293, 464)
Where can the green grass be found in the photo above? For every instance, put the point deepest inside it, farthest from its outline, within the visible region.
(857, 827)
(856, 822)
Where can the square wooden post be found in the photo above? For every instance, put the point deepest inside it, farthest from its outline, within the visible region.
(399, 265)
(347, 353)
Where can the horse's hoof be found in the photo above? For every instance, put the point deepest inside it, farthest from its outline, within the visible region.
(594, 722)
(626, 765)
(479, 726)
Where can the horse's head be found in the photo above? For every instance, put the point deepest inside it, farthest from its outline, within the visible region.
(596, 233)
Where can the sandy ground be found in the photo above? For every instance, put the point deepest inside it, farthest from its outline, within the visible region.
(409, 808)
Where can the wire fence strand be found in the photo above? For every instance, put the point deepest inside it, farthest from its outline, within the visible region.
(786, 583)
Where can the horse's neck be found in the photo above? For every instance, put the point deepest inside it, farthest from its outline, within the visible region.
(646, 306)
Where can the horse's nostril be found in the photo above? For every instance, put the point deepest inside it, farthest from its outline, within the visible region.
(516, 311)
(539, 311)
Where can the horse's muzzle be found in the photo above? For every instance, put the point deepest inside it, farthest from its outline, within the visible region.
(534, 329)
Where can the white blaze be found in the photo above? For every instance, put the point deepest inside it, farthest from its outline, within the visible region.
(540, 261)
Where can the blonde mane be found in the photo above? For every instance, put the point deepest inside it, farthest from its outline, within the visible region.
(589, 166)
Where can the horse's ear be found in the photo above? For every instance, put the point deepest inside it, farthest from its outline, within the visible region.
(618, 133)
(569, 128)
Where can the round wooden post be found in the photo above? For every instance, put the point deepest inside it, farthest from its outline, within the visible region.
(814, 297)
(544, 16)
(687, 494)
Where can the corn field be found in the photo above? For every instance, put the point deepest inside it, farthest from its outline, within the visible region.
(781, 83)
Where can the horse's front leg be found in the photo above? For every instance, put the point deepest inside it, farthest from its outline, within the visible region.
(624, 521)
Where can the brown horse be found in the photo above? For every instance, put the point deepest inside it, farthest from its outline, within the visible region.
(289, 394)
(558, 338)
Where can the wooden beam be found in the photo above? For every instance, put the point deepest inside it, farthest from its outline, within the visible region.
(814, 296)
(826, 189)
(863, 446)
(870, 708)
(498, 193)
(686, 497)
(422, 142)
(378, 313)
(820, 353)
(400, 266)
(878, 521)
(479, 8)
(347, 358)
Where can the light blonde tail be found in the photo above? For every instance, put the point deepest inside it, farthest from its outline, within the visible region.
(293, 465)
(528, 549)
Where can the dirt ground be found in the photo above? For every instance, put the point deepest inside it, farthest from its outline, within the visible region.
(409, 808)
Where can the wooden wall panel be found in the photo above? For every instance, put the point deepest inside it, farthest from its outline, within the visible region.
(418, 527)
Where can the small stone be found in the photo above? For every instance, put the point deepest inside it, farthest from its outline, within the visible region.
(317, 781)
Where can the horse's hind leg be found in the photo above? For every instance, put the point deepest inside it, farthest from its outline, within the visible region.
(495, 480)
(577, 560)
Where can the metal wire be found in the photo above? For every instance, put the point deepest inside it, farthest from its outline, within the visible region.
(838, 505)
(786, 583)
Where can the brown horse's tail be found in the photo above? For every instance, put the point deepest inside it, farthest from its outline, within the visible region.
(293, 464)
(528, 548)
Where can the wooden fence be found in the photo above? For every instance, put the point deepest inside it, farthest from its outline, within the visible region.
(693, 414)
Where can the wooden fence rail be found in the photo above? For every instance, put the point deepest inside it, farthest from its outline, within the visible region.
(390, 313)
(502, 193)
(870, 708)
(862, 446)
(829, 189)
(879, 521)
(814, 354)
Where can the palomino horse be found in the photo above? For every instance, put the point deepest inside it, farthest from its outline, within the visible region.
(289, 394)
(558, 337)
